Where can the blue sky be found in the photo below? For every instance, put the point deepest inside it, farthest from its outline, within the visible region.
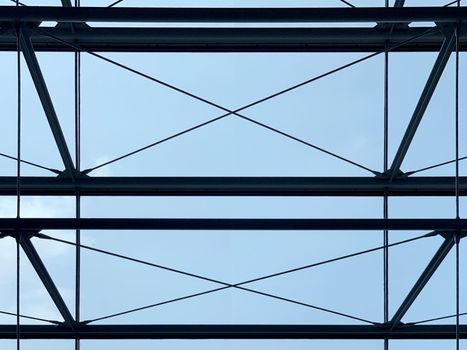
(342, 113)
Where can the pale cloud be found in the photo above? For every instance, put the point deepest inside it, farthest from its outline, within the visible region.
(37, 302)
(37, 207)
(7, 207)
(359, 143)
(55, 207)
(7, 262)
(105, 170)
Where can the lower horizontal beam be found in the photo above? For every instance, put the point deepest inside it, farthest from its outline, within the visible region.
(8, 225)
(233, 186)
(231, 332)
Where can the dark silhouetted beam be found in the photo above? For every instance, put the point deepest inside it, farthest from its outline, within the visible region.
(231, 39)
(430, 86)
(433, 265)
(230, 224)
(46, 101)
(397, 3)
(233, 186)
(44, 275)
(122, 331)
(232, 15)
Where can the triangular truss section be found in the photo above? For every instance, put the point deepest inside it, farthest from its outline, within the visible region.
(439, 116)
(227, 147)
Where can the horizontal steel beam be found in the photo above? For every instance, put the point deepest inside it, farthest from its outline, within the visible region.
(230, 39)
(232, 15)
(37, 224)
(232, 332)
(233, 186)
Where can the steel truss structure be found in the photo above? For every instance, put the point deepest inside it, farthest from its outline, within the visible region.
(20, 31)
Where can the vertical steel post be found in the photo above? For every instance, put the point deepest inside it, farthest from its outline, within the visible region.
(77, 94)
(385, 197)
(457, 236)
(18, 184)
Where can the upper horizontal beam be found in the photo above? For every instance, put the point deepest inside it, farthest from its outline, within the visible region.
(232, 332)
(346, 39)
(232, 15)
(233, 186)
(38, 224)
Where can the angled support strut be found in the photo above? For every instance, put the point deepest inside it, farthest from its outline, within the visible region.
(46, 101)
(44, 275)
(430, 86)
(433, 265)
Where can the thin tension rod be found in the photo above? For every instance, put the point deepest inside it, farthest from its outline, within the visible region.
(30, 317)
(227, 285)
(55, 171)
(229, 112)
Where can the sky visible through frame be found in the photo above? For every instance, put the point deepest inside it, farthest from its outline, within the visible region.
(342, 113)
